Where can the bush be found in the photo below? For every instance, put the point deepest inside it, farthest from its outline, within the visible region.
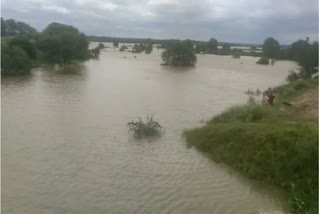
(236, 54)
(263, 61)
(123, 48)
(150, 128)
(293, 76)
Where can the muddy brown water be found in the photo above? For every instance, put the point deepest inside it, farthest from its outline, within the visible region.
(66, 146)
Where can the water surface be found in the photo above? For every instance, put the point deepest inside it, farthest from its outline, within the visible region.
(66, 147)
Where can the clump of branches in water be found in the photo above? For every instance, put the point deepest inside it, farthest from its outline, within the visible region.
(150, 128)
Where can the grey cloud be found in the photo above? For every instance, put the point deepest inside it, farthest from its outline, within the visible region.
(247, 21)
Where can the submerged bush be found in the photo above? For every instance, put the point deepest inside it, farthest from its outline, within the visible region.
(263, 61)
(150, 128)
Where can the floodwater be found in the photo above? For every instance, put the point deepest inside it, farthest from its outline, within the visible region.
(66, 147)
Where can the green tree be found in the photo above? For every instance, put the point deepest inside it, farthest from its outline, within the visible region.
(116, 43)
(95, 52)
(14, 60)
(62, 44)
(123, 48)
(148, 48)
(306, 55)
(212, 46)
(138, 48)
(226, 49)
(26, 44)
(200, 48)
(271, 48)
(10, 27)
(179, 54)
(101, 45)
(236, 53)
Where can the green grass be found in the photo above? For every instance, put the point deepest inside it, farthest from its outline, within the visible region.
(268, 145)
(291, 90)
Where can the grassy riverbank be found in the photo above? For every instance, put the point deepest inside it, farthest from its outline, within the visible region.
(277, 145)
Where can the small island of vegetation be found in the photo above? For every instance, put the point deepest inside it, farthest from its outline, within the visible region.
(179, 54)
(141, 129)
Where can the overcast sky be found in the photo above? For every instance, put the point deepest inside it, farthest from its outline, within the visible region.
(245, 21)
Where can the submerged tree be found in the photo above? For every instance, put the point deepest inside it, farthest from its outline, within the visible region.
(226, 49)
(123, 48)
(101, 45)
(200, 48)
(271, 48)
(14, 60)
(138, 48)
(212, 46)
(236, 53)
(116, 43)
(179, 54)
(62, 44)
(148, 48)
(263, 61)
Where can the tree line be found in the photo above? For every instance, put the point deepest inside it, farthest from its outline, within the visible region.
(24, 47)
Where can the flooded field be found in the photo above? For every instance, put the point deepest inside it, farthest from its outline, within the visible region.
(66, 147)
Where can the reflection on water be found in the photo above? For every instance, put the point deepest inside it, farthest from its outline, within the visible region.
(66, 147)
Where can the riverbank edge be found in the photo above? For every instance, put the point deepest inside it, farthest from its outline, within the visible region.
(275, 145)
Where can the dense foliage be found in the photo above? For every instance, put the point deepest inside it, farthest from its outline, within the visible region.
(179, 54)
(63, 43)
(23, 47)
(306, 54)
(14, 60)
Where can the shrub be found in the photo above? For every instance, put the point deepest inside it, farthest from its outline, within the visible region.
(123, 48)
(293, 76)
(150, 128)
